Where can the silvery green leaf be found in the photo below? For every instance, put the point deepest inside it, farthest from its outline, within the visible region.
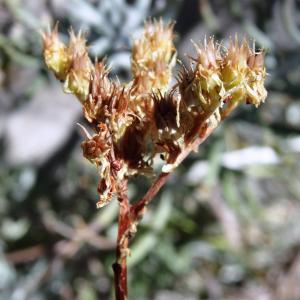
(141, 248)
(106, 215)
(135, 15)
(143, 6)
(168, 254)
(113, 11)
(197, 172)
(232, 273)
(120, 60)
(14, 230)
(201, 250)
(100, 46)
(86, 291)
(250, 156)
(163, 212)
(88, 15)
(7, 274)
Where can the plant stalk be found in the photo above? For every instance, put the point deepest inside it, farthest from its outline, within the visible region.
(130, 215)
(120, 266)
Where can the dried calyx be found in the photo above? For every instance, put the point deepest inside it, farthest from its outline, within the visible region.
(136, 121)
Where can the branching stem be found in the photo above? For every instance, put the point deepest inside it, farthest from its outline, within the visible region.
(130, 215)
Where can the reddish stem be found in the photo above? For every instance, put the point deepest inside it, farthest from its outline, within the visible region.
(137, 210)
(130, 215)
(120, 266)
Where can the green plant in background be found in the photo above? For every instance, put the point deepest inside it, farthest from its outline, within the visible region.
(137, 123)
(226, 225)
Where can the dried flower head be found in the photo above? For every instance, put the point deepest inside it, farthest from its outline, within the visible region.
(77, 45)
(56, 54)
(135, 122)
(77, 81)
(153, 57)
(243, 73)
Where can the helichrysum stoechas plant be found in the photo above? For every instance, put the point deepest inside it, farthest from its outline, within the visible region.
(136, 122)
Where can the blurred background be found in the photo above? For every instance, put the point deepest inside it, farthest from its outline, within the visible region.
(227, 224)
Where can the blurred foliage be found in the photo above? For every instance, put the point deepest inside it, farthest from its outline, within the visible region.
(226, 226)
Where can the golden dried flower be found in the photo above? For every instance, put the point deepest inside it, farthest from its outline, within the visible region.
(56, 54)
(77, 81)
(77, 44)
(222, 76)
(153, 57)
(135, 122)
(243, 73)
(208, 86)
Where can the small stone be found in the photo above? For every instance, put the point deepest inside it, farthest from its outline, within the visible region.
(37, 130)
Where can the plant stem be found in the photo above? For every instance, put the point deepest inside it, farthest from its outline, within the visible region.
(120, 266)
(137, 210)
(130, 215)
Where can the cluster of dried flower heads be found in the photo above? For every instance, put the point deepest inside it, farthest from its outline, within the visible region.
(135, 122)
